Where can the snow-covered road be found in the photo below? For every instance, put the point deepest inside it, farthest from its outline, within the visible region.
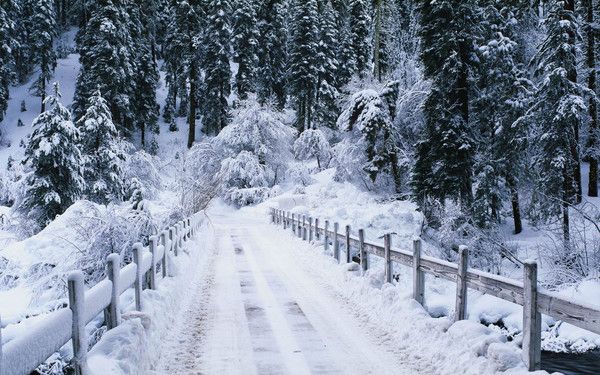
(255, 310)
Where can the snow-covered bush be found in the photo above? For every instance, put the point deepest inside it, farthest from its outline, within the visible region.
(299, 174)
(245, 180)
(142, 166)
(312, 144)
(368, 154)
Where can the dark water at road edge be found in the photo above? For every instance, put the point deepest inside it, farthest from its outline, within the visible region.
(572, 363)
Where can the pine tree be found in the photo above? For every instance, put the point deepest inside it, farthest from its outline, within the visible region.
(360, 23)
(304, 49)
(7, 42)
(245, 40)
(593, 144)
(344, 52)
(217, 79)
(43, 33)
(108, 63)
(444, 164)
(102, 155)
(272, 57)
(53, 155)
(181, 54)
(557, 110)
(327, 85)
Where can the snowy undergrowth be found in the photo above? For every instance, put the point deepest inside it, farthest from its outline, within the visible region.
(134, 347)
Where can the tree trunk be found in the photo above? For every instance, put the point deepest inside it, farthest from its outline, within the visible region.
(143, 135)
(377, 41)
(514, 200)
(462, 93)
(567, 194)
(593, 110)
(43, 95)
(192, 101)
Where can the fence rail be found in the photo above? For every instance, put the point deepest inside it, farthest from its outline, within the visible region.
(534, 299)
(26, 352)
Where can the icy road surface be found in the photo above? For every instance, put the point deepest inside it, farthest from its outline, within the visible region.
(254, 310)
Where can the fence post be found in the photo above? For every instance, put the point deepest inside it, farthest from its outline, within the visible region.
(163, 239)
(348, 256)
(113, 268)
(418, 275)
(310, 229)
(532, 322)
(137, 259)
(289, 221)
(317, 236)
(364, 263)
(294, 223)
(387, 243)
(285, 223)
(304, 227)
(326, 236)
(336, 242)
(78, 334)
(152, 246)
(272, 215)
(460, 310)
(172, 237)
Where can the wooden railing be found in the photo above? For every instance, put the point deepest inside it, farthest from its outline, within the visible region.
(534, 299)
(31, 348)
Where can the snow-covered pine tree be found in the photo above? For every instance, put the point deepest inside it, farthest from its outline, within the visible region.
(370, 141)
(326, 111)
(245, 41)
(557, 112)
(217, 86)
(272, 56)
(107, 62)
(102, 154)
(303, 63)
(360, 24)
(53, 155)
(7, 43)
(43, 32)
(593, 143)
(143, 96)
(24, 58)
(180, 55)
(444, 155)
(344, 52)
(504, 94)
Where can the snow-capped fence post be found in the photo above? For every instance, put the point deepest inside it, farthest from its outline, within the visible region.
(189, 224)
(532, 320)
(460, 310)
(317, 236)
(137, 259)
(387, 245)
(348, 255)
(163, 240)
(284, 220)
(173, 237)
(364, 263)
(304, 229)
(289, 222)
(326, 236)
(418, 275)
(300, 227)
(78, 334)
(310, 229)
(152, 246)
(336, 242)
(113, 270)
(294, 223)
(272, 216)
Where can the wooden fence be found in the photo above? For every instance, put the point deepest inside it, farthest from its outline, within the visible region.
(26, 352)
(535, 300)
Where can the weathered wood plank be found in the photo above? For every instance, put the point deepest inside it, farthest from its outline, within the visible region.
(532, 319)
(460, 309)
(364, 262)
(387, 257)
(336, 241)
(78, 333)
(348, 250)
(418, 275)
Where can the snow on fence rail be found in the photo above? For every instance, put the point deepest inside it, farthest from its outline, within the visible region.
(25, 353)
(535, 300)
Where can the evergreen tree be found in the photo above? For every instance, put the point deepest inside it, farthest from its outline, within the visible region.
(557, 111)
(444, 155)
(108, 63)
(344, 52)
(245, 40)
(327, 93)
(304, 48)
(102, 155)
(7, 42)
(181, 54)
(272, 57)
(53, 155)
(360, 23)
(43, 33)
(217, 78)
(593, 144)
